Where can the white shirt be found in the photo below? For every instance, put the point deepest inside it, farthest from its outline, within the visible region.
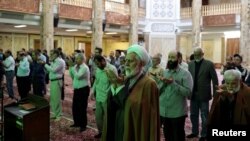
(184, 65)
(56, 69)
(81, 76)
(163, 64)
(9, 64)
(43, 57)
(23, 68)
(29, 58)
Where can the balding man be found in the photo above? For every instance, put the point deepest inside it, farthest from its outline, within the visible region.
(176, 86)
(156, 70)
(133, 106)
(203, 72)
(231, 106)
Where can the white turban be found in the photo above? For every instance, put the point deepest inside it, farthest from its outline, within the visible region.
(140, 51)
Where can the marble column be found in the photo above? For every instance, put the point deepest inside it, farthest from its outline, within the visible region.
(133, 31)
(196, 23)
(47, 25)
(245, 29)
(97, 31)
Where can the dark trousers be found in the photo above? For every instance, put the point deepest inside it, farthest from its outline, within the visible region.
(23, 85)
(62, 94)
(173, 128)
(38, 86)
(9, 82)
(197, 106)
(79, 106)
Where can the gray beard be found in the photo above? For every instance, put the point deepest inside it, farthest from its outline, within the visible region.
(234, 90)
(130, 74)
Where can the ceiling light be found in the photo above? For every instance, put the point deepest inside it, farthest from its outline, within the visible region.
(71, 30)
(111, 33)
(232, 34)
(20, 26)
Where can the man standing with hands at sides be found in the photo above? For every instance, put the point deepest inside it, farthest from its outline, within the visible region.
(56, 71)
(203, 72)
(9, 67)
(133, 104)
(176, 87)
(81, 82)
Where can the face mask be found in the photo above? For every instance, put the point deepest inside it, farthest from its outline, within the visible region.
(197, 60)
(172, 64)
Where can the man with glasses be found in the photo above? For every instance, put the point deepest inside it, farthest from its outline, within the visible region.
(56, 71)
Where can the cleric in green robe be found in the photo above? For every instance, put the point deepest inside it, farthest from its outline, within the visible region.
(133, 103)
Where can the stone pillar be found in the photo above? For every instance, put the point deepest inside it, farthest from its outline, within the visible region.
(146, 40)
(245, 26)
(47, 25)
(133, 31)
(196, 21)
(97, 31)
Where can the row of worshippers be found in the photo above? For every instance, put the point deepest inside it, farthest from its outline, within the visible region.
(128, 107)
(134, 97)
(28, 71)
(31, 68)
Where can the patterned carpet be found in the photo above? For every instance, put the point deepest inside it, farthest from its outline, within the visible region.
(61, 131)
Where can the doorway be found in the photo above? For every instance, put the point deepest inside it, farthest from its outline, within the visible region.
(86, 46)
(37, 44)
(233, 45)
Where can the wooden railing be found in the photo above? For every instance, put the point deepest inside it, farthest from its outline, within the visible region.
(186, 13)
(116, 7)
(220, 9)
(82, 3)
(142, 13)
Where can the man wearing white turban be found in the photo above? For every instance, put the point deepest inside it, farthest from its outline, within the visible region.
(133, 104)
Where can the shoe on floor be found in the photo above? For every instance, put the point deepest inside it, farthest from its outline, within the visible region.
(52, 117)
(57, 118)
(97, 136)
(202, 139)
(73, 125)
(192, 136)
(82, 129)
